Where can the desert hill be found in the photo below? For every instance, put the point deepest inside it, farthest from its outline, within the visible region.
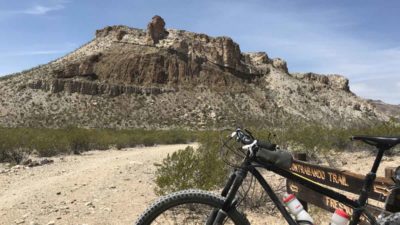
(162, 78)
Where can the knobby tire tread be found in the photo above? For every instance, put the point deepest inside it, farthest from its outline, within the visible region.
(187, 196)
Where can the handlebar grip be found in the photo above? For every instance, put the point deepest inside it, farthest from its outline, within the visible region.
(266, 145)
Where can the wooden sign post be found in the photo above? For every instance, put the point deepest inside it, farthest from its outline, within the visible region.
(338, 179)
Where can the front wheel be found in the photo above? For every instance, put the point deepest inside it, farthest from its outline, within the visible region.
(188, 207)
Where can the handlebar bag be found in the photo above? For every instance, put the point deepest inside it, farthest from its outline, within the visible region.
(280, 158)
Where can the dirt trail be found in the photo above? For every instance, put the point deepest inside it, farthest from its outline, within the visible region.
(110, 187)
(97, 187)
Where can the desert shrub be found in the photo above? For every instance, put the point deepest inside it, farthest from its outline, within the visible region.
(79, 140)
(178, 171)
(189, 168)
(203, 168)
(50, 142)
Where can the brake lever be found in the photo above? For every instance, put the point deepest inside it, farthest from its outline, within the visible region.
(250, 147)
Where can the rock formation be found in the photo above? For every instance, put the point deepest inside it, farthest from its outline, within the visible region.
(156, 30)
(280, 64)
(157, 78)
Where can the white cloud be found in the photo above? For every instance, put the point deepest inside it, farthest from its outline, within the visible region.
(41, 9)
(37, 10)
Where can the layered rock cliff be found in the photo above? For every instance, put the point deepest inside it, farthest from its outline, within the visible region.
(161, 78)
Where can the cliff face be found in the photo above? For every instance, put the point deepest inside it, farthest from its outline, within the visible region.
(161, 78)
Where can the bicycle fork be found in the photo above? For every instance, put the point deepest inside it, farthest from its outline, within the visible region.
(218, 216)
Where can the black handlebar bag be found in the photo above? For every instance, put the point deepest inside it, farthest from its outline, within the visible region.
(280, 158)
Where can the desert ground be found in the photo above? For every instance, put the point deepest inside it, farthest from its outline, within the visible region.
(106, 187)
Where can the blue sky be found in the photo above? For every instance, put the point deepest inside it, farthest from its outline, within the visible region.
(359, 39)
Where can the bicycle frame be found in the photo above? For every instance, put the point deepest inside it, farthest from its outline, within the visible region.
(236, 180)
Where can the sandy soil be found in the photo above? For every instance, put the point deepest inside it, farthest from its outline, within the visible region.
(107, 187)
(97, 187)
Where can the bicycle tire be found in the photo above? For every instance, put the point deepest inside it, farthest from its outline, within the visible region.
(393, 219)
(191, 196)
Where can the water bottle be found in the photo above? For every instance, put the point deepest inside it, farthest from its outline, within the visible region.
(340, 217)
(297, 210)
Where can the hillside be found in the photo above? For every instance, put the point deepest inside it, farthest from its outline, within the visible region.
(162, 78)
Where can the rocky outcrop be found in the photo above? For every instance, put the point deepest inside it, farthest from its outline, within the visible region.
(120, 34)
(280, 64)
(173, 66)
(85, 68)
(156, 30)
(94, 88)
(104, 32)
(160, 78)
(339, 82)
(333, 81)
(116, 32)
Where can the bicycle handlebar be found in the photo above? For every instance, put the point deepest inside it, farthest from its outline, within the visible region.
(246, 139)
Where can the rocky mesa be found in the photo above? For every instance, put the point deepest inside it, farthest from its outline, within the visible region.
(162, 78)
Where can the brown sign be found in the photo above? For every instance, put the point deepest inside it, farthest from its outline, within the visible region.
(341, 179)
(325, 202)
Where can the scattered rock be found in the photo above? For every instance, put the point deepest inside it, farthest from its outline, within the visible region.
(51, 222)
(46, 161)
(34, 163)
(5, 171)
(107, 209)
(19, 221)
(17, 168)
(89, 204)
(26, 162)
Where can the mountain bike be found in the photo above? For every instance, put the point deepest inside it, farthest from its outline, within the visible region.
(201, 207)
